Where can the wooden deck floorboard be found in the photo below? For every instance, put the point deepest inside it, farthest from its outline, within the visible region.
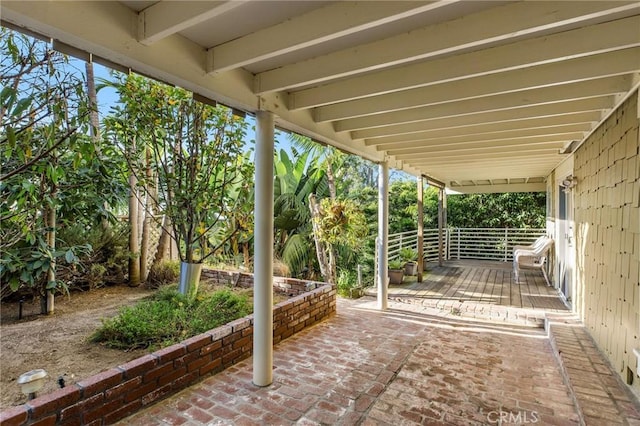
(484, 284)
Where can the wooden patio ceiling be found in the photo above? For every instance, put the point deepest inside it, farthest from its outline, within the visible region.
(482, 95)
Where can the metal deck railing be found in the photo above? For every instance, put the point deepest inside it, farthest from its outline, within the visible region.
(466, 243)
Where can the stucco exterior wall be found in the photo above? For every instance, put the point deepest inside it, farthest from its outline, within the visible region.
(607, 229)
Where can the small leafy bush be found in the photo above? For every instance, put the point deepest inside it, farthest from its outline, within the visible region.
(163, 273)
(168, 317)
(346, 281)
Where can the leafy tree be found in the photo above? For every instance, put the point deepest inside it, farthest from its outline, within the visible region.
(51, 175)
(504, 210)
(196, 151)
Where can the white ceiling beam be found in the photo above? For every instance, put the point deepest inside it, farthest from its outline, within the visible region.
(486, 170)
(576, 122)
(586, 41)
(500, 188)
(165, 18)
(547, 95)
(504, 159)
(491, 26)
(514, 146)
(565, 130)
(604, 65)
(538, 112)
(318, 26)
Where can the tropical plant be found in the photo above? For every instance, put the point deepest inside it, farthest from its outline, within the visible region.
(396, 264)
(336, 223)
(408, 254)
(295, 180)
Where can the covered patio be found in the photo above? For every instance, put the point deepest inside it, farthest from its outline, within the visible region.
(466, 346)
(474, 96)
(405, 366)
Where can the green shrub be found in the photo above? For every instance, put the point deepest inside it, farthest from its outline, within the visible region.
(221, 307)
(163, 273)
(346, 281)
(168, 317)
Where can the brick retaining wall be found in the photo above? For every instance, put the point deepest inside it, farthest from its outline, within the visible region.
(116, 393)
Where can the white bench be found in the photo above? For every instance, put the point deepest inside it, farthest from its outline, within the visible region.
(533, 256)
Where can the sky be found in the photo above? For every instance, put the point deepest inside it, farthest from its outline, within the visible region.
(108, 96)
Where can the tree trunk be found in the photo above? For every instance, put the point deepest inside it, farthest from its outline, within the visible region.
(146, 213)
(245, 253)
(134, 261)
(331, 180)
(94, 120)
(314, 207)
(48, 305)
(164, 243)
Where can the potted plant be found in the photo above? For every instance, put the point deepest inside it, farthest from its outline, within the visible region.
(396, 271)
(409, 256)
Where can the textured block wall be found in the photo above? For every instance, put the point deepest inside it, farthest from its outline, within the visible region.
(607, 224)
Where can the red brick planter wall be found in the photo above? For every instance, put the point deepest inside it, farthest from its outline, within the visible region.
(116, 393)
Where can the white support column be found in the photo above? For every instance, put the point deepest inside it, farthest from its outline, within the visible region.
(420, 227)
(441, 226)
(263, 252)
(444, 224)
(383, 234)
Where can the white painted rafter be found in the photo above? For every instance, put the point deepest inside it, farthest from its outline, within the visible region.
(498, 24)
(419, 144)
(165, 18)
(548, 95)
(540, 112)
(619, 62)
(581, 120)
(586, 41)
(318, 26)
(549, 144)
(530, 157)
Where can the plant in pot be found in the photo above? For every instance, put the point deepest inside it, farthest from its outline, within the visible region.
(199, 169)
(409, 256)
(396, 271)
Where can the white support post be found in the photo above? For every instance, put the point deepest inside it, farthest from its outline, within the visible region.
(420, 241)
(444, 224)
(440, 226)
(263, 249)
(383, 234)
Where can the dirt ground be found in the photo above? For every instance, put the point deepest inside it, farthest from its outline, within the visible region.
(58, 343)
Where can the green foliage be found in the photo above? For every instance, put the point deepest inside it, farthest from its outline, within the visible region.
(220, 308)
(512, 210)
(408, 255)
(50, 166)
(169, 317)
(163, 273)
(347, 280)
(396, 264)
(295, 180)
(341, 223)
(197, 154)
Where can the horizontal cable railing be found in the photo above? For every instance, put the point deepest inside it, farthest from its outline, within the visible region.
(466, 243)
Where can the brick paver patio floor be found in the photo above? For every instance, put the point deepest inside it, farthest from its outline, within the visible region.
(397, 367)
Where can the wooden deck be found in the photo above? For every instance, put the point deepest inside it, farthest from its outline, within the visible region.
(480, 289)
